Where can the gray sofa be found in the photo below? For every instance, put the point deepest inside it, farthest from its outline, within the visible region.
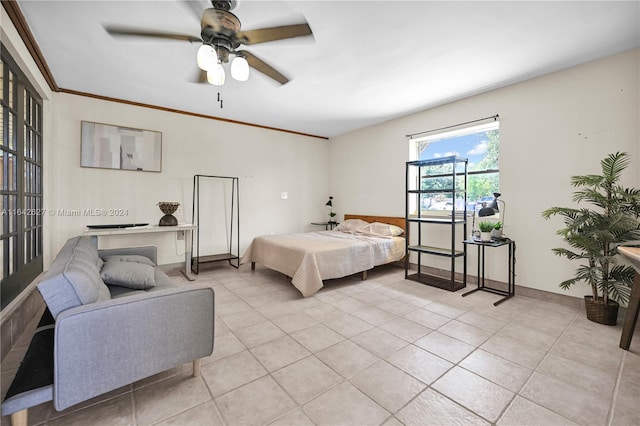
(112, 318)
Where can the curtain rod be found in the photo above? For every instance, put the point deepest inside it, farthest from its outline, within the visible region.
(495, 117)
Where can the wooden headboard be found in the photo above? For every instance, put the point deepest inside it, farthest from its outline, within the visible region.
(397, 221)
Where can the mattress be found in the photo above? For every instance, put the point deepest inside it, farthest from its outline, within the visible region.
(311, 257)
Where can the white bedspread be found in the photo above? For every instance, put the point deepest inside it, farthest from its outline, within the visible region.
(311, 257)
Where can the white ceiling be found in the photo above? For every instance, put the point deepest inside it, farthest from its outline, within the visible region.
(367, 62)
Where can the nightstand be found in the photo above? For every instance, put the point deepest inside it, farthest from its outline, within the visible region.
(327, 225)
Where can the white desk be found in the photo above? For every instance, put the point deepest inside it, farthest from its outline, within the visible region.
(186, 228)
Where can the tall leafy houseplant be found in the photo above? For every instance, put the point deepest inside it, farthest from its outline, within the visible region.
(594, 233)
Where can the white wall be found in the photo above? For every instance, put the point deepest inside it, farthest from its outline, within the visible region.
(266, 162)
(551, 128)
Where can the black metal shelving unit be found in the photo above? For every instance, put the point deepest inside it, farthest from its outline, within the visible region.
(232, 221)
(451, 174)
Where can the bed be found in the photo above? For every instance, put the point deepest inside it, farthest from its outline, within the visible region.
(355, 246)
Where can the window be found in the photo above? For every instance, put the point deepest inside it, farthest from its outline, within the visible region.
(20, 181)
(481, 145)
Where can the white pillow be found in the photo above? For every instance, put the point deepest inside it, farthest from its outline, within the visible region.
(379, 229)
(351, 225)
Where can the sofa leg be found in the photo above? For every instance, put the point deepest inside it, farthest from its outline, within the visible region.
(196, 367)
(253, 266)
(19, 418)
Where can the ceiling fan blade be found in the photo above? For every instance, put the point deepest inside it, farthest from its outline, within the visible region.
(263, 67)
(263, 35)
(132, 32)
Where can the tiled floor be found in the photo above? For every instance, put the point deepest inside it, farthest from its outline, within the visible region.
(382, 351)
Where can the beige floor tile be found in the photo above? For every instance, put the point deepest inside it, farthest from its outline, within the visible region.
(451, 349)
(293, 418)
(467, 333)
(539, 321)
(421, 364)
(237, 320)
(317, 338)
(523, 412)
(431, 408)
(231, 307)
(379, 342)
(258, 334)
(528, 336)
(276, 310)
(477, 394)
(482, 321)
(271, 297)
(575, 373)
(223, 346)
(317, 311)
(374, 315)
(231, 372)
(203, 414)
(118, 410)
(371, 297)
(279, 353)
(429, 319)
(387, 385)
(169, 397)
(625, 416)
(256, 403)
(349, 325)
(344, 405)
(406, 329)
(396, 307)
(513, 350)
(447, 310)
(350, 305)
(306, 379)
(629, 384)
(505, 373)
(347, 358)
(392, 421)
(294, 321)
(584, 407)
(607, 360)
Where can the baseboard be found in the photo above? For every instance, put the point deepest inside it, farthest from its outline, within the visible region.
(535, 293)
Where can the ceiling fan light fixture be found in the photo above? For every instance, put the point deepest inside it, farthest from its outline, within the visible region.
(216, 75)
(207, 57)
(240, 69)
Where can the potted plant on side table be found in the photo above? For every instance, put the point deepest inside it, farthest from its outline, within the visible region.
(485, 230)
(594, 233)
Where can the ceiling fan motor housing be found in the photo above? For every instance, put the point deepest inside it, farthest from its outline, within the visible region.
(224, 4)
(218, 29)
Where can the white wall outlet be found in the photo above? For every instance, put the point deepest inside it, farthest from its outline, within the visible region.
(179, 211)
(284, 195)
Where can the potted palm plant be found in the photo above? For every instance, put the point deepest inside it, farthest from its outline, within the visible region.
(594, 233)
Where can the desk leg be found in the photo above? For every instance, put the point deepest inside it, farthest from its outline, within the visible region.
(478, 288)
(631, 316)
(188, 237)
(511, 287)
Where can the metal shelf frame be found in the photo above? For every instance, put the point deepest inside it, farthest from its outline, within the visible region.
(416, 173)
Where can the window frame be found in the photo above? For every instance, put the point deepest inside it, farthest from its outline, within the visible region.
(21, 236)
(457, 131)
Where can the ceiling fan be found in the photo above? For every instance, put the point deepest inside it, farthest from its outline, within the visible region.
(221, 37)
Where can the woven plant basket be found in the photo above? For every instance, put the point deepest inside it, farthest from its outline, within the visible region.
(601, 313)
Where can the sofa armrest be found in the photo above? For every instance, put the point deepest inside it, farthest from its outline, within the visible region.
(106, 345)
(149, 251)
